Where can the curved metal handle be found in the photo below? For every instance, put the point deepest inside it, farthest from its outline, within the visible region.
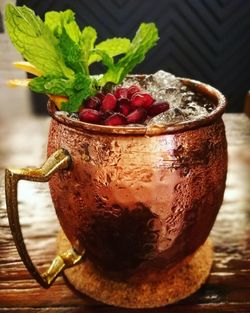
(59, 160)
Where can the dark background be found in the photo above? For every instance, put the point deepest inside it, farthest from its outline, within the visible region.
(207, 40)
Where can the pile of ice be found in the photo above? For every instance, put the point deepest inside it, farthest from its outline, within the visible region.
(185, 104)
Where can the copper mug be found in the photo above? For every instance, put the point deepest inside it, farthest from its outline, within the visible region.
(128, 198)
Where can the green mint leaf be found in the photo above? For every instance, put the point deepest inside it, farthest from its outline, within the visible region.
(112, 47)
(88, 38)
(33, 39)
(75, 101)
(87, 41)
(52, 85)
(83, 87)
(71, 52)
(104, 56)
(77, 89)
(56, 21)
(73, 31)
(145, 38)
(82, 81)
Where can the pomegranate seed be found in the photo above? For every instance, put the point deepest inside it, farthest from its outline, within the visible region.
(124, 106)
(108, 103)
(137, 100)
(100, 96)
(116, 119)
(92, 103)
(90, 116)
(148, 100)
(121, 92)
(140, 99)
(105, 115)
(157, 108)
(137, 116)
(132, 90)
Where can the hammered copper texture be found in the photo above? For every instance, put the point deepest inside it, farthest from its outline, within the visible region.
(137, 201)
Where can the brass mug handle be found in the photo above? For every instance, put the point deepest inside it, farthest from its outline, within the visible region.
(59, 160)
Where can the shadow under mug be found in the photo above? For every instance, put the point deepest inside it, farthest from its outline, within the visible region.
(127, 198)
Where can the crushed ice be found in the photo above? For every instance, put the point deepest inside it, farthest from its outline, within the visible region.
(164, 86)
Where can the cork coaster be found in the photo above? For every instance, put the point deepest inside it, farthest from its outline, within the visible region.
(155, 290)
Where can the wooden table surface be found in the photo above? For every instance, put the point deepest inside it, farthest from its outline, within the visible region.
(23, 142)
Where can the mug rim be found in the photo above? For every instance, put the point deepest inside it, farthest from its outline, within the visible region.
(152, 130)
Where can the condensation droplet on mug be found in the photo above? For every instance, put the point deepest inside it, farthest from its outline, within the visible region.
(177, 187)
(175, 209)
(103, 198)
(185, 171)
(150, 224)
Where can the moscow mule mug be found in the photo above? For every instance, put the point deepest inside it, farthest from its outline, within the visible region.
(129, 198)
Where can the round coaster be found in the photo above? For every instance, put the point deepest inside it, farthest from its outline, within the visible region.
(166, 287)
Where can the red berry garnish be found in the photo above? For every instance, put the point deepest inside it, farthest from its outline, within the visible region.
(92, 103)
(116, 119)
(132, 90)
(90, 116)
(140, 99)
(124, 106)
(157, 108)
(121, 92)
(100, 96)
(137, 116)
(108, 103)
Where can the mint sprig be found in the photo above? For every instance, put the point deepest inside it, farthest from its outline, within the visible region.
(113, 47)
(56, 21)
(64, 53)
(87, 42)
(144, 40)
(33, 39)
